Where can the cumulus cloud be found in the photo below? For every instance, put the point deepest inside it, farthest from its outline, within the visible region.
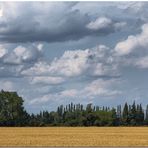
(92, 62)
(22, 55)
(72, 63)
(133, 43)
(14, 60)
(88, 61)
(133, 51)
(38, 69)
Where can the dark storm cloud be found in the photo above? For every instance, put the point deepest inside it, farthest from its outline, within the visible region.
(49, 22)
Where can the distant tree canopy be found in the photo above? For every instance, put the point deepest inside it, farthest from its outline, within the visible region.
(12, 113)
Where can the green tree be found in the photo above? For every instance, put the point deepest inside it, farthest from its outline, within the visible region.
(12, 112)
(133, 114)
(125, 114)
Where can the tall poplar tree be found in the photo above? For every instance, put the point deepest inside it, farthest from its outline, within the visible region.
(125, 114)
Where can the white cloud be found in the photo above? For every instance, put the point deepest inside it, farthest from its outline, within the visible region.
(22, 55)
(133, 43)
(47, 80)
(19, 51)
(99, 23)
(3, 51)
(72, 63)
(105, 23)
(39, 68)
(40, 47)
(133, 51)
(97, 61)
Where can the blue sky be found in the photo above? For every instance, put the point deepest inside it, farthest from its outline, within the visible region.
(55, 53)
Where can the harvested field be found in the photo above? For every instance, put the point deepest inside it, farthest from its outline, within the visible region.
(74, 136)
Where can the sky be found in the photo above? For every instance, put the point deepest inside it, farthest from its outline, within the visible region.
(55, 53)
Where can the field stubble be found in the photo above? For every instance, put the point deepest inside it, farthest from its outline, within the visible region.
(74, 136)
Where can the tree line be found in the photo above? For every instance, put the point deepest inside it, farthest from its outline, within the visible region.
(13, 113)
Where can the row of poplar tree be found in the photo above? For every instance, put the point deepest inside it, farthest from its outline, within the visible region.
(12, 113)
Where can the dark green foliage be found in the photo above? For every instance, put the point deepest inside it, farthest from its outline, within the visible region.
(125, 115)
(12, 113)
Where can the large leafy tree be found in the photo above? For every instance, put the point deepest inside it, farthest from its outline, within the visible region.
(12, 112)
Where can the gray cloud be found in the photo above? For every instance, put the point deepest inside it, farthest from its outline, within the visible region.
(12, 62)
(40, 21)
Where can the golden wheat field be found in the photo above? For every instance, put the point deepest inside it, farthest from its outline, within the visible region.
(74, 136)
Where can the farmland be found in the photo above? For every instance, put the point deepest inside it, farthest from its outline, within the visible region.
(74, 136)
